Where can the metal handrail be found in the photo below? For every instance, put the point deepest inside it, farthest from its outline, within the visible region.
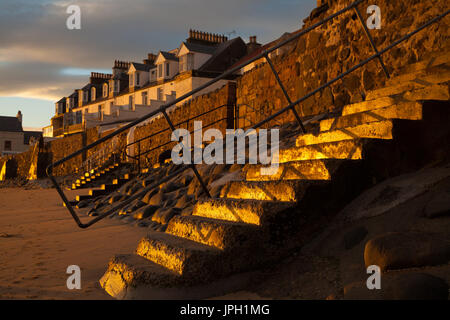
(265, 54)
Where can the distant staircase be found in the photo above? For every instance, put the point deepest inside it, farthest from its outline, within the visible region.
(398, 128)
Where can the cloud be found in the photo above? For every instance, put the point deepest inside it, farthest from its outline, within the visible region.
(36, 45)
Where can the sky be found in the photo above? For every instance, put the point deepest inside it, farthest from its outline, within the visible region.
(41, 60)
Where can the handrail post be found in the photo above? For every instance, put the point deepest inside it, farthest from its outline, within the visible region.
(284, 92)
(192, 165)
(139, 157)
(372, 43)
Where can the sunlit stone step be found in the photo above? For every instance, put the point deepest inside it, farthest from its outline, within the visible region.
(433, 92)
(436, 60)
(219, 234)
(372, 130)
(295, 170)
(180, 255)
(346, 149)
(247, 211)
(405, 110)
(368, 105)
(413, 82)
(129, 272)
(285, 191)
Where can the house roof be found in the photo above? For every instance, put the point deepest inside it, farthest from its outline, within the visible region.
(201, 48)
(87, 87)
(10, 124)
(226, 54)
(29, 134)
(264, 48)
(141, 66)
(169, 56)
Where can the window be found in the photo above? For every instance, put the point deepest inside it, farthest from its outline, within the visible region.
(116, 85)
(160, 74)
(105, 90)
(190, 61)
(100, 112)
(137, 78)
(160, 94)
(85, 96)
(79, 117)
(131, 102)
(167, 69)
(144, 98)
(131, 81)
(8, 145)
(183, 63)
(93, 94)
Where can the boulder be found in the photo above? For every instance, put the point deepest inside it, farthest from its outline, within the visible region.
(183, 201)
(439, 205)
(354, 237)
(163, 215)
(149, 195)
(144, 212)
(157, 199)
(398, 250)
(115, 198)
(187, 211)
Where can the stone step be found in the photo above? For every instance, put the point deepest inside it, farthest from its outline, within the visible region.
(404, 110)
(371, 130)
(97, 192)
(119, 181)
(345, 149)
(83, 197)
(434, 92)
(108, 187)
(285, 191)
(295, 170)
(240, 210)
(184, 257)
(129, 271)
(410, 82)
(220, 234)
(436, 60)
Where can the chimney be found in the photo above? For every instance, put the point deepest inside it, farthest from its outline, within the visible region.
(252, 45)
(19, 116)
(151, 58)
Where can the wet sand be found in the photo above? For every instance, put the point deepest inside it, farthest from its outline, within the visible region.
(39, 240)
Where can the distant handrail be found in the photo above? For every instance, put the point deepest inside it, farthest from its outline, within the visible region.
(265, 54)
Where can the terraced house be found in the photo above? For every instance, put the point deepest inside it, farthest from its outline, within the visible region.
(134, 89)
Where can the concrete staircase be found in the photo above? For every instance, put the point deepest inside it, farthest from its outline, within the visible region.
(85, 179)
(398, 128)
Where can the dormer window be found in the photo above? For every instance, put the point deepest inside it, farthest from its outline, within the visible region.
(105, 90)
(93, 94)
(187, 62)
(85, 96)
(131, 84)
(167, 69)
(137, 79)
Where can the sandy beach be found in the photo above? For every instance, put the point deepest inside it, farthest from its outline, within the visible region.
(39, 240)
